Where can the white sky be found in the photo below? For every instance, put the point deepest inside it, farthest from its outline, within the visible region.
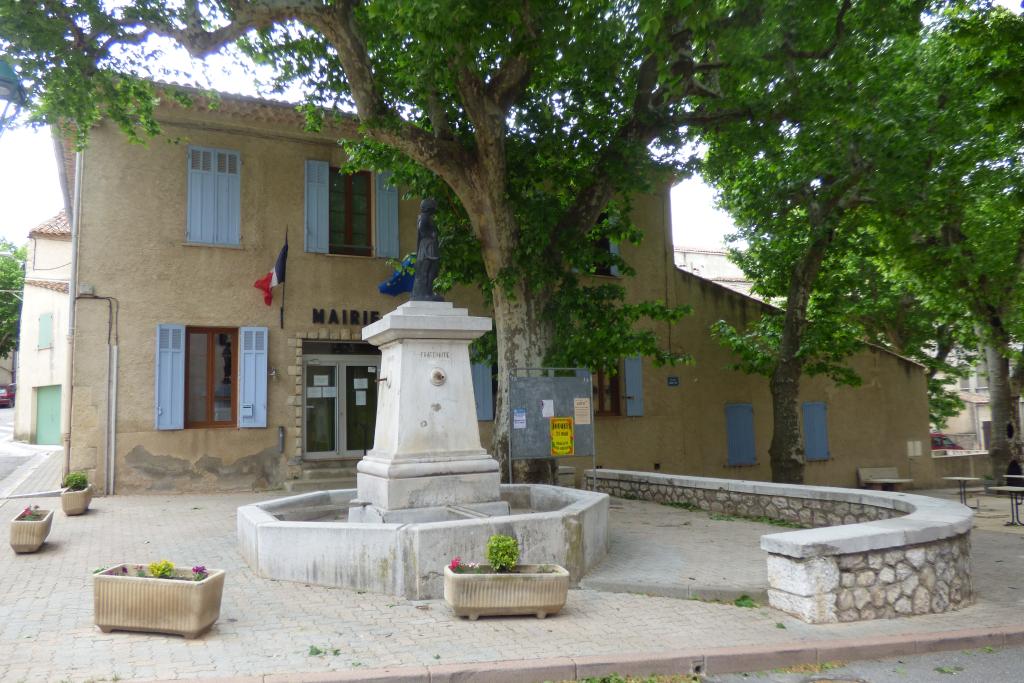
(30, 189)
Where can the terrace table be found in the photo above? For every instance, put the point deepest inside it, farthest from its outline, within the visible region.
(962, 482)
(1016, 498)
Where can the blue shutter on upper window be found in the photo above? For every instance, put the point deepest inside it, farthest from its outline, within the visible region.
(387, 217)
(613, 248)
(632, 371)
(169, 392)
(483, 391)
(317, 205)
(815, 431)
(45, 331)
(739, 432)
(252, 377)
(214, 196)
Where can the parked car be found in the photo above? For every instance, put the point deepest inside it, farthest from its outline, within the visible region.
(7, 396)
(941, 442)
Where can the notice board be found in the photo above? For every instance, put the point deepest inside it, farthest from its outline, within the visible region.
(551, 413)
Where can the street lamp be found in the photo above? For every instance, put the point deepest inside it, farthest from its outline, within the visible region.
(12, 95)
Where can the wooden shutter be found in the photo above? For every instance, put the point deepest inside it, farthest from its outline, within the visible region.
(170, 377)
(386, 242)
(45, 331)
(482, 391)
(613, 248)
(214, 196)
(815, 416)
(739, 428)
(252, 377)
(317, 204)
(632, 370)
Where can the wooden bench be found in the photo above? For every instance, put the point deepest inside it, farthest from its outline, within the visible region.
(882, 478)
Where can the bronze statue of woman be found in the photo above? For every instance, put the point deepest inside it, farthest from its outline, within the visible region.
(428, 254)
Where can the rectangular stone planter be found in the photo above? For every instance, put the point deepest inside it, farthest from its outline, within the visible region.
(75, 502)
(526, 591)
(126, 602)
(28, 536)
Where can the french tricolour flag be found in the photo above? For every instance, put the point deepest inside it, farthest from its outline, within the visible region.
(274, 277)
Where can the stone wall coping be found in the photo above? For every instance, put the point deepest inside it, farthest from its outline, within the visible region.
(925, 520)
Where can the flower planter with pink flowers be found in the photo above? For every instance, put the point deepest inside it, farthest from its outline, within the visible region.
(157, 598)
(30, 529)
(504, 587)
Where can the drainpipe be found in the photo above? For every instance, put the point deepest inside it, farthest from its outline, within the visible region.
(112, 419)
(65, 408)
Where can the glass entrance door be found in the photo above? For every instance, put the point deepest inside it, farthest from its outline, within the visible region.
(340, 394)
(321, 396)
(360, 407)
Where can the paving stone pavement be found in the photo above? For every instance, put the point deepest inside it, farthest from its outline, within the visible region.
(267, 627)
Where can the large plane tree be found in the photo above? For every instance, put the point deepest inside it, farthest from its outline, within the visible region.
(533, 122)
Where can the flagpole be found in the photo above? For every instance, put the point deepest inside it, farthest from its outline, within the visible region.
(283, 284)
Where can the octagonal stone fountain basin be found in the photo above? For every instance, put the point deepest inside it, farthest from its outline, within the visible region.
(306, 538)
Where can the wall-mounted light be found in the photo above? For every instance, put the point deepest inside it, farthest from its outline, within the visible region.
(12, 95)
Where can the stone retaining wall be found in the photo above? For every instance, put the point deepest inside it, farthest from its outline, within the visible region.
(866, 554)
(808, 512)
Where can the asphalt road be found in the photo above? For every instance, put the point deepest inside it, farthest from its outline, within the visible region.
(8, 460)
(987, 665)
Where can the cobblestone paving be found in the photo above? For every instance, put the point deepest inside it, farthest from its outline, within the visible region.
(47, 634)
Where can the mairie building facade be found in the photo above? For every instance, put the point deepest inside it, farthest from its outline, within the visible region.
(187, 381)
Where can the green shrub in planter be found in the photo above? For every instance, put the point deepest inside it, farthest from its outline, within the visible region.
(76, 481)
(502, 553)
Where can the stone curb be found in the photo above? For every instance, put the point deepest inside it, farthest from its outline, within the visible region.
(711, 661)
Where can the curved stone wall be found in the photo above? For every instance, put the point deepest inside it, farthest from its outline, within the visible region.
(866, 555)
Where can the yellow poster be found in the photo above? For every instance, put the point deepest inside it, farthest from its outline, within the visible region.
(563, 439)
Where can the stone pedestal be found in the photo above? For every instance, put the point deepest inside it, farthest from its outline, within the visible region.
(426, 457)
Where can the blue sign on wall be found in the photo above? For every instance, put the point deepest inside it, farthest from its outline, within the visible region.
(673, 381)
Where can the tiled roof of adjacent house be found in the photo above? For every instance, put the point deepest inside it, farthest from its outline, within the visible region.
(57, 227)
(53, 285)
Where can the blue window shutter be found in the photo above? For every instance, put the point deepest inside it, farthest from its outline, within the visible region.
(739, 428)
(228, 198)
(214, 196)
(252, 377)
(317, 202)
(170, 377)
(613, 248)
(45, 331)
(632, 370)
(815, 431)
(482, 392)
(387, 217)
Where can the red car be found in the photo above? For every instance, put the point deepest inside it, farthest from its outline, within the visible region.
(941, 442)
(7, 396)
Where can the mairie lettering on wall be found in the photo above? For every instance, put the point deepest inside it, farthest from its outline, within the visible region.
(325, 316)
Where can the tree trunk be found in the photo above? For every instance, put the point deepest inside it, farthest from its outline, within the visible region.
(523, 340)
(786, 451)
(1005, 431)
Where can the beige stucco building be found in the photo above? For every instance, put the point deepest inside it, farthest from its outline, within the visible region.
(185, 380)
(42, 340)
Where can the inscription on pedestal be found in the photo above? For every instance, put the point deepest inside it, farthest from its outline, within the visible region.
(435, 354)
